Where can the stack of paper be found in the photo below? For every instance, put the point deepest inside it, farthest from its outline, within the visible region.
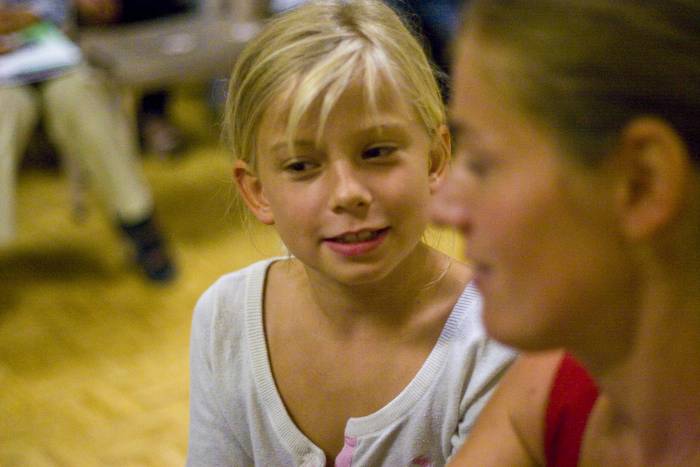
(44, 51)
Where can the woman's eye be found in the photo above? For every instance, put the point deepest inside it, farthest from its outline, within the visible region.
(477, 163)
(479, 167)
(378, 151)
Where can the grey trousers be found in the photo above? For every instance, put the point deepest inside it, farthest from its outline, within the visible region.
(85, 123)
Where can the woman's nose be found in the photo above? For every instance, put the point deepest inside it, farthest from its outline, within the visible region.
(450, 202)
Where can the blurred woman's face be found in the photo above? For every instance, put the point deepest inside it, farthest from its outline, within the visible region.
(547, 253)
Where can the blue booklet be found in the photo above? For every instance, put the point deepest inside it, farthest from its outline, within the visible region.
(39, 52)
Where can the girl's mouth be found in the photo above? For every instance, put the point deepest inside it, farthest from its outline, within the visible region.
(358, 237)
(357, 243)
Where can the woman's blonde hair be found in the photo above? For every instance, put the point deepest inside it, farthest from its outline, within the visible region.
(315, 51)
(585, 68)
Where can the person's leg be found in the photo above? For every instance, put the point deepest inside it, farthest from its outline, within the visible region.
(437, 21)
(158, 134)
(85, 122)
(139, 10)
(17, 121)
(440, 21)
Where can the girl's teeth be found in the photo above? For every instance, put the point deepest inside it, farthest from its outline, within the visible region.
(363, 236)
(359, 237)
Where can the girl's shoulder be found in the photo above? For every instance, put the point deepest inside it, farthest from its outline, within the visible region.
(461, 271)
(460, 289)
(234, 281)
(229, 295)
(456, 274)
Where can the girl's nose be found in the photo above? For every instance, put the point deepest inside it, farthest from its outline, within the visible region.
(348, 192)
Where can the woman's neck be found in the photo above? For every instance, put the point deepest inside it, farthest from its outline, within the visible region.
(652, 393)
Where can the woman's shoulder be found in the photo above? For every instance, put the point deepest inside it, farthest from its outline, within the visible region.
(510, 429)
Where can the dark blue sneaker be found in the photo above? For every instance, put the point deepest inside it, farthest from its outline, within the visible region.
(151, 255)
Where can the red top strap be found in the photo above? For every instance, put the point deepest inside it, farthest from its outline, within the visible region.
(571, 400)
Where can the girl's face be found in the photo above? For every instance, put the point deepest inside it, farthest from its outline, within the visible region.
(538, 227)
(353, 204)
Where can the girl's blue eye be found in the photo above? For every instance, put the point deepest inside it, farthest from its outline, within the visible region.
(378, 151)
(298, 166)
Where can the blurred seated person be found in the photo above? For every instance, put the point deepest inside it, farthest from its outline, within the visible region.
(157, 133)
(438, 21)
(42, 76)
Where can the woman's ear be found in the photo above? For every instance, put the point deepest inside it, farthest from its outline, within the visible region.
(251, 190)
(439, 156)
(655, 168)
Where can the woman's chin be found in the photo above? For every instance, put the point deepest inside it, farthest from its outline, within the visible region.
(508, 326)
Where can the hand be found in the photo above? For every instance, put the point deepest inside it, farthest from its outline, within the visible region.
(99, 11)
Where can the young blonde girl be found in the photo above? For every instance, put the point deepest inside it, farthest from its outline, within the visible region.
(363, 347)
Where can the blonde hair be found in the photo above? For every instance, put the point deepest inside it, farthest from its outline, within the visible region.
(585, 68)
(315, 51)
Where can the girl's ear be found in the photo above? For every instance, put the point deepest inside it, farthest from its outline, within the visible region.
(251, 190)
(654, 171)
(439, 156)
